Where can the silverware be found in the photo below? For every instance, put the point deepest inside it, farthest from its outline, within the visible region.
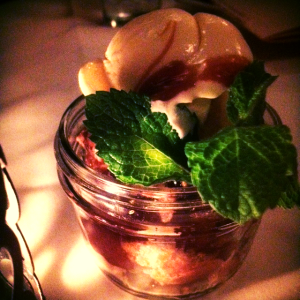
(25, 284)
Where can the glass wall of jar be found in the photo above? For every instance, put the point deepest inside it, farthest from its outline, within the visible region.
(157, 241)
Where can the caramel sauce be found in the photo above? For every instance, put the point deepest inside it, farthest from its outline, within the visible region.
(170, 80)
(178, 76)
(169, 30)
(223, 69)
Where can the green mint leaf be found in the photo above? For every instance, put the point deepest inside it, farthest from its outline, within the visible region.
(242, 171)
(140, 147)
(291, 196)
(246, 102)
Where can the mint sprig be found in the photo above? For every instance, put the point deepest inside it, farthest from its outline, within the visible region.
(249, 167)
(246, 103)
(291, 196)
(242, 171)
(140, 147)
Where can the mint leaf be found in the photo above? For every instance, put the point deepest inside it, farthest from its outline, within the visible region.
(246, 102)
(291, 196)
(242, 171)
(140, 147)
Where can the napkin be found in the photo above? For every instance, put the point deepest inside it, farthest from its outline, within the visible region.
(269, 20)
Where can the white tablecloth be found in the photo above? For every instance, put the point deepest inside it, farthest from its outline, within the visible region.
(41, 51)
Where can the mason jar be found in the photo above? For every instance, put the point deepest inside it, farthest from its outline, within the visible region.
(159, 242)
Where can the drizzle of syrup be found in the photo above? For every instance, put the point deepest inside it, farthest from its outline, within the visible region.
(178, 76)
(169, 81)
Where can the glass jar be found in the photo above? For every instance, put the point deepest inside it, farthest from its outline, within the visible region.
(151, 241)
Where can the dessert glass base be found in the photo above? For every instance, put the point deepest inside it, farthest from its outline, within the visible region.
(156, 242)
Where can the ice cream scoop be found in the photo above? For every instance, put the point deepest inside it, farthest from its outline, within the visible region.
(174, 58)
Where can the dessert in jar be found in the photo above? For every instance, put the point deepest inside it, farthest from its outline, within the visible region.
(135, 154)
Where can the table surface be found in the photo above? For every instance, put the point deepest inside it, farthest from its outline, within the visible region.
(41, 51)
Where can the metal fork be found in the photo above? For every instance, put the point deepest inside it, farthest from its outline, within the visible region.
(25, 284)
